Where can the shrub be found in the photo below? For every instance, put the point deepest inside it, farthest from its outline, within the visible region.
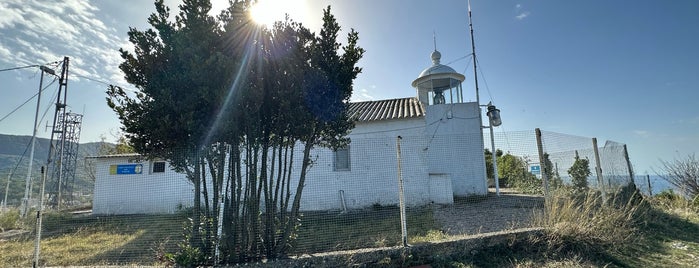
(9, 220)
(683, 174)
(589, 222)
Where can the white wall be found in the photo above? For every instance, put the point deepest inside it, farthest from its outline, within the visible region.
(372, 178)
(441, 156)
(455, 146)
(144, 193)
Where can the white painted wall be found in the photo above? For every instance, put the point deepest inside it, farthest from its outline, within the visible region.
(372, 178)
(146, 193)
(441, 154)
(455, 146)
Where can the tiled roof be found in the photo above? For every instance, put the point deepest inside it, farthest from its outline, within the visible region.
(115, 155)
(386, 109)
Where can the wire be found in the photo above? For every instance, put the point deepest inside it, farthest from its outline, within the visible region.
(28, 66)
(485, 81)
(469, 55)
(17, 68)
(27, 101)
(103, 82)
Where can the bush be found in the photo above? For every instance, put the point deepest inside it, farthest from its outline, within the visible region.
(670, 200)
(589, 222)
(683, 174)
(9, 220)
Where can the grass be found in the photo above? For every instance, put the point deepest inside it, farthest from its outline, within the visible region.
(138, 239)
(375, 227)
(581, 231)
(584, 231)
(87, 240)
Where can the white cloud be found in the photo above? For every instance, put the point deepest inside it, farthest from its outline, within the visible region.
(362, 95)
(44, 31)
(642, 133)
(522, 15)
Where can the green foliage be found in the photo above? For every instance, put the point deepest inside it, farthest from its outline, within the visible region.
(551, 172)
(579, 172)
(220, 94)
(513, 172)
(489, 165)
(9, 219)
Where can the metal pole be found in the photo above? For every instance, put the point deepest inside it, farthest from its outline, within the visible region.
(7, 188)
(540, 148)
(628, 164)
(401, 197)
(598, 168)
(25, 200)
(473, 52)
(37, 243)
(495, 162)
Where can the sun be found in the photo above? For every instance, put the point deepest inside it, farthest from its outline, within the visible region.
(266, 12)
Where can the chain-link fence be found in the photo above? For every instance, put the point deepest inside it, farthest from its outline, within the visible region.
(380, 190)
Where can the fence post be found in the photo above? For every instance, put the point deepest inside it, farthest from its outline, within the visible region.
(650, 190)
(598, 169)
(37, 243)
(628, 164)
(542, 161)
(401, 197)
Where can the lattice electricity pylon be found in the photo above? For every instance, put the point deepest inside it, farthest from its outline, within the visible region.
(65, 159)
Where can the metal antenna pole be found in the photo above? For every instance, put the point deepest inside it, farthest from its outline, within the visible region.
(60, 111)
(25, 200)
(473, 51)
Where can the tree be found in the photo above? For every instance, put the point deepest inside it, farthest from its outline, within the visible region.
(513, 171)
(551, 172)
(230, 104)
(181, 69)
(683, 174)
(489, 164)
(579, 172)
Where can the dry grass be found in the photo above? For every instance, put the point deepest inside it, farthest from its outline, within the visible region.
(590, 221)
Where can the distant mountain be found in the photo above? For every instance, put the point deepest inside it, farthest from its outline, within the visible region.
(14, 160)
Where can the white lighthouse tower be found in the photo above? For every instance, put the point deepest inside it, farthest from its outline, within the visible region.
(452, 130)
(437, 81)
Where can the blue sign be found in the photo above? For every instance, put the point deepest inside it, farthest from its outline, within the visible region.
(126, 169)
(535, 169)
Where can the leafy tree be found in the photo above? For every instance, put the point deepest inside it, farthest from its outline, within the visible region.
(231, 104)
(579, 172)
(513, 171)
(551, 172)
(489, 164)
(181, 71)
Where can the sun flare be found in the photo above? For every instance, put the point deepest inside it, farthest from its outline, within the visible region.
(266, 12)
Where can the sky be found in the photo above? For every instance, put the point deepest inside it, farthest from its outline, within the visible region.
(626, 71)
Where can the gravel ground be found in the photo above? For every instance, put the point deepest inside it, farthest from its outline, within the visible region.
(492, 213)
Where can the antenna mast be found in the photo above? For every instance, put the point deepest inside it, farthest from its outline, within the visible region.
(473, 51)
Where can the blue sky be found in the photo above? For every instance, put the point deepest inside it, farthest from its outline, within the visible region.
(626, 71)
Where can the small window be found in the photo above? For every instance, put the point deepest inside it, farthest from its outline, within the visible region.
(158, 167)
(341, 159)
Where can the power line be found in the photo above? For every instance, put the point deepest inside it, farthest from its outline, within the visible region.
(24, 67)
(103, 82)
(27, 101)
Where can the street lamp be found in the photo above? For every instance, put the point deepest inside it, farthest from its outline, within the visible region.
(494, 121)
(27, 194)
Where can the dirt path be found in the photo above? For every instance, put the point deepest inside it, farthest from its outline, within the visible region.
(491, 213)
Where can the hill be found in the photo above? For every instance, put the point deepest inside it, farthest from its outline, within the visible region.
(14, 161)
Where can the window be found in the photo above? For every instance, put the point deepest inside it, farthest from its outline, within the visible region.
(341, 159)
(158, 167)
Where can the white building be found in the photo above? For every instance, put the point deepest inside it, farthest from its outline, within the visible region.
(441, 157)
